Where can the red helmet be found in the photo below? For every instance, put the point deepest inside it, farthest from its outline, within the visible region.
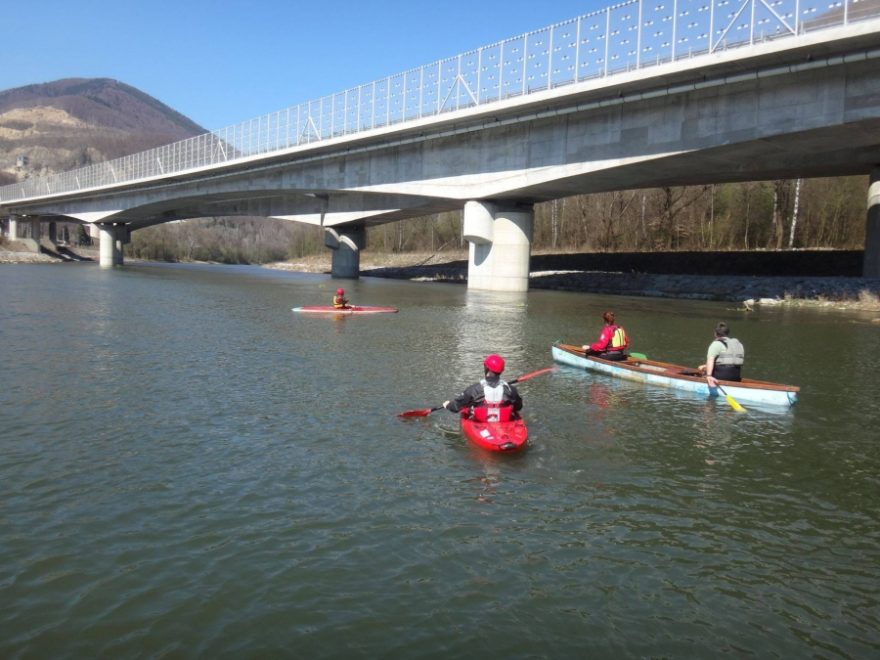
(494, 363)
(340, 292)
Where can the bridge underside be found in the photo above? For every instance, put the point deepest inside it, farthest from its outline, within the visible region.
(744, 124)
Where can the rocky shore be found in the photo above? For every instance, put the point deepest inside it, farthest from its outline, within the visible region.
(749, 291)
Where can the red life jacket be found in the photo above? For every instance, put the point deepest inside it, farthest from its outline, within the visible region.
(493, 408)
(493, 412)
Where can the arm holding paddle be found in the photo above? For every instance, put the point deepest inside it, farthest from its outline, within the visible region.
(424, 412)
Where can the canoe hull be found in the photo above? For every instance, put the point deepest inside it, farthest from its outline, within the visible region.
(506, 437)
(354, 309)
(678, 377)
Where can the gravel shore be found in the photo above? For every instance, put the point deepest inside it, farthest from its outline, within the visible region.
(840, 293)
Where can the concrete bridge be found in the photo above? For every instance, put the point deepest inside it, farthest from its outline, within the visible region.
(633, 96)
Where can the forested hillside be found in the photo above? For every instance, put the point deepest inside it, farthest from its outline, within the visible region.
(812, 213)
(57, 126)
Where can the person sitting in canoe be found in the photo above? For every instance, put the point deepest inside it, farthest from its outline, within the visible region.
(612, 343)
(492, 399)
(725, 357)
(339, 300)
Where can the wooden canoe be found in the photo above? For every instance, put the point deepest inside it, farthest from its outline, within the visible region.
(677, 376)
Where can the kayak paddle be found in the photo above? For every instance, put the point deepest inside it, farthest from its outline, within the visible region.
(733, 402)
(424, 412)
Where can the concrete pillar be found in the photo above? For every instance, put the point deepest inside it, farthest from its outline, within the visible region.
(110, 250)
(35, 229)
(346, 244)
(53, 233)
(13, 227)
(871, 263)
(500, 246)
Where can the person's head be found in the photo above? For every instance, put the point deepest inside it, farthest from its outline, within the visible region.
(608, 318)
(494, 364)
(722, 329)
(340, 292)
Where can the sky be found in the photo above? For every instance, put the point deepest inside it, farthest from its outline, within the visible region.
(224, 62)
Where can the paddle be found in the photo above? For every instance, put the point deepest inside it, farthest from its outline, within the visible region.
(424, 412)
(733, 402)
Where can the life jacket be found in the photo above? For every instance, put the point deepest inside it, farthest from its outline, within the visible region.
(734, 352)
(493, 408)
(338, 301)
(619, 341)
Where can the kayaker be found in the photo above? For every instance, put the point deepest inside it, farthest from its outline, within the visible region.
(492, 399)
(612, 343)
(339, 300)
(725, 357)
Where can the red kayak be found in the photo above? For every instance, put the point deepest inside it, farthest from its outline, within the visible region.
(352, 309)
(505, 437)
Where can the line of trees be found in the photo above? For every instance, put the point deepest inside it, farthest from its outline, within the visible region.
(803, 213)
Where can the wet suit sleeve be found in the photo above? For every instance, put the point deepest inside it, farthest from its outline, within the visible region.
(515, 398)
(464, 399)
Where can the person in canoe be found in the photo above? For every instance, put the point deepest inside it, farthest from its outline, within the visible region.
(339, 300)
(492, 399)
(725, 357)
(612, 343)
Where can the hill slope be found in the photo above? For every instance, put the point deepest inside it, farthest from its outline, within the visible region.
(77, 121)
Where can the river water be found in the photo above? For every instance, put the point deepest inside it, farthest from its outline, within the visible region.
(188, 469)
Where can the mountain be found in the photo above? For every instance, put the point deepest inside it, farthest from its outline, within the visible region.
(56, 126)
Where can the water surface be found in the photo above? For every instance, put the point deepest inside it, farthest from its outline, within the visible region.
(188, 469)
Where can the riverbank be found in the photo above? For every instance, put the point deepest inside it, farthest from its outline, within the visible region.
(747, 291)
(842, 293)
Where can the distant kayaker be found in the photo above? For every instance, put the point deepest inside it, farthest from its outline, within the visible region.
(492, 399)
(339, 300)
(724, 358)
(612, 343)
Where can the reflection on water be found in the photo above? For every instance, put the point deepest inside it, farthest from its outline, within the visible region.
(187, 467)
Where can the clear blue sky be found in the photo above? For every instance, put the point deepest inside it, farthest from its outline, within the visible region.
(221, 63)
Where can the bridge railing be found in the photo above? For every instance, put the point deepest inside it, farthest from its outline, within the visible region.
(624, 37)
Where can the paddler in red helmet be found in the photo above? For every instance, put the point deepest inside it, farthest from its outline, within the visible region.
(492, 399)
(339, 300)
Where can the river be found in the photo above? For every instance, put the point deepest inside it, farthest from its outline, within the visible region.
(188, 469)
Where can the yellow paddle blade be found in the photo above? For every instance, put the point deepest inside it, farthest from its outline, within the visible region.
(734, 403)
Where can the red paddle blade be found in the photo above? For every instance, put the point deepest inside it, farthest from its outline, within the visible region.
(423, 412)
(533, 374)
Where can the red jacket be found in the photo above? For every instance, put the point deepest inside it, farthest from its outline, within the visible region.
(605, 340)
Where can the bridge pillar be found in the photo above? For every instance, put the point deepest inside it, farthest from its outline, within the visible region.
(871, 263)
(500, 245)
(346, 245)
(13, 227)
(111, 237)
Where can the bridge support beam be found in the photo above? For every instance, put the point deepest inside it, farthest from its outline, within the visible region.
(871, 263)
(111, 237)
(13, 227)
(346, 245)
(500, 245)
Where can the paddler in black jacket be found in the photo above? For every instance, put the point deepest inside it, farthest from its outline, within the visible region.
(492, 399)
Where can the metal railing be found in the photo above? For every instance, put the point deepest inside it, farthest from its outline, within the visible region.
(624, 37)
